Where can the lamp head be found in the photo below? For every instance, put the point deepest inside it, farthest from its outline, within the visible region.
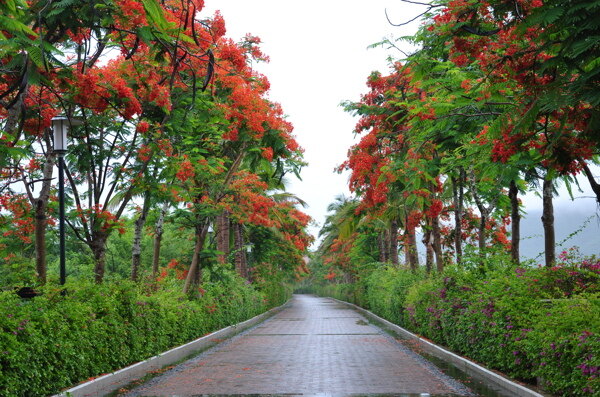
(60, 127)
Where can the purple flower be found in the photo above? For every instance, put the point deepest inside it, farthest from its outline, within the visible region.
(584, 335)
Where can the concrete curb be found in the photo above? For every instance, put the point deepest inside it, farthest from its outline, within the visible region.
(115, 380)
(461, 363)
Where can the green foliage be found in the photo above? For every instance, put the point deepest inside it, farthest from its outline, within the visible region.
(276, 293)
(344, 291)
(54, 341)
(564, 347)
(508, 320)
(17, 270)
(386, 291)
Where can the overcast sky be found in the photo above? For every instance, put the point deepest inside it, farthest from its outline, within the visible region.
(319, 58)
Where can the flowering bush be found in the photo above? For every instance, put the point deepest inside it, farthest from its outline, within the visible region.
(54, 341)
(532, 323)
(564, 346)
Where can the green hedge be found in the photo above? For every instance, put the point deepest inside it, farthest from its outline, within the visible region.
(535, 324)
(54, 341)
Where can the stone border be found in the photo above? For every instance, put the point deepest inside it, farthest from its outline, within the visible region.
(113, 381)
(461, 363)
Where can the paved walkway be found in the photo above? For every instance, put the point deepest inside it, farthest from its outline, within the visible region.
(314, 346)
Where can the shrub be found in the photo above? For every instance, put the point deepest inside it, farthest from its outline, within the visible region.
(342, 291)
(564, 345)
(56, 340)
(386, 292)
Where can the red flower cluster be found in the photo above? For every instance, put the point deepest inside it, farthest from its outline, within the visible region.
(186, 170)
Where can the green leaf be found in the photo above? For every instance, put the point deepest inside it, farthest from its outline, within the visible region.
(36, 55)
(155, 14)
(145, 34)
(15, 26)
(581, 46)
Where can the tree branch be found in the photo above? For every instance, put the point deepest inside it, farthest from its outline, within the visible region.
(86, 227)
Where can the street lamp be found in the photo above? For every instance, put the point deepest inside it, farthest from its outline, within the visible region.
(248, 262)
(60, 127)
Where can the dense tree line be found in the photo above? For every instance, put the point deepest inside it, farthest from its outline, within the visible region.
(176, 129)
(500, 98)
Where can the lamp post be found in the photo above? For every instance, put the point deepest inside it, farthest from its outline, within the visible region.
(60, 127)
(248, 262)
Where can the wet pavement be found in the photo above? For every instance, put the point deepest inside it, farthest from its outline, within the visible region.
(315, 346)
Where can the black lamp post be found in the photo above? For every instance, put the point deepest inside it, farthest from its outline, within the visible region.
(60, 127)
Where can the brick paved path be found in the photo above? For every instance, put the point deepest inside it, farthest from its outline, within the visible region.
(314, 346)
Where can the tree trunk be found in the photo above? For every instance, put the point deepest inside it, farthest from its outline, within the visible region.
(437, 244)
(241, 265)
(40, 206)
(515, 222)
(458, 197)
(428, 250)
(158, 240)
(590, 177)
(394, 243)
(411, 243)
(98, 246)
(387, 244)
(382, 250)
(136, 249)
(194, 269)
(548, 222)
(485, 212)
(405, 249)
(223, 236)
(482, 236)
(41, 222)
(14, 116)
(40, 241)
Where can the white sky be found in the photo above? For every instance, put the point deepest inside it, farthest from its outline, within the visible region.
(319, 58)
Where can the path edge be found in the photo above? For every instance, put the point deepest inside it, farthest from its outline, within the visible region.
(115, 380)
(461, 363)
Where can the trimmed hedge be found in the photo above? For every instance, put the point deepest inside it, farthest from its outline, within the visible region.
(54, 341)
(535, 324)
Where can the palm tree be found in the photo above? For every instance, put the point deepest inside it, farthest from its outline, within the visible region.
(341, 222)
